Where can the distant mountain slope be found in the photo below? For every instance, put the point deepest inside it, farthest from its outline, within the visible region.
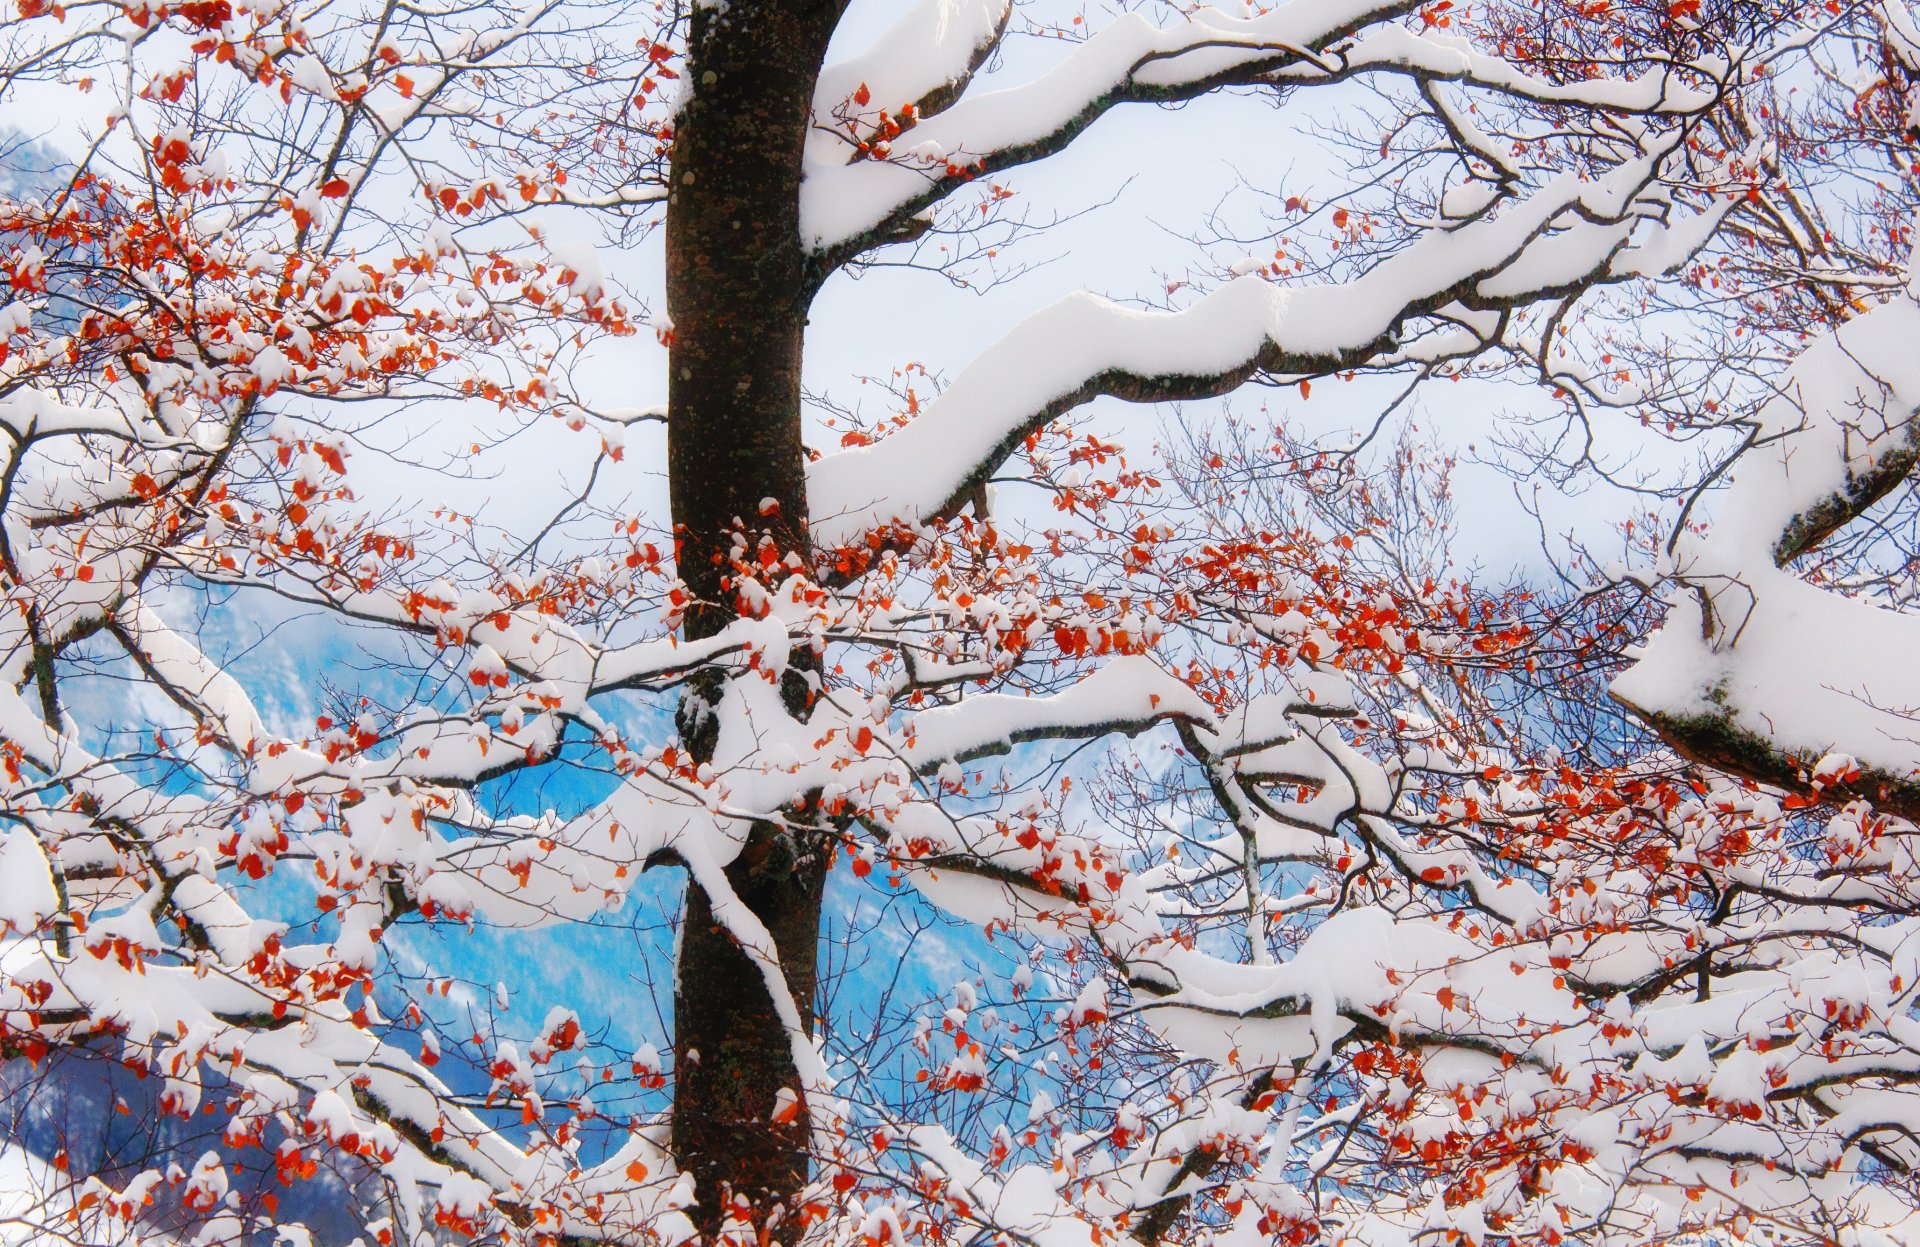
(26, 164)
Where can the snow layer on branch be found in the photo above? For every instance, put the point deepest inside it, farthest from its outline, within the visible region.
(27, 895)
(1408, 974)
(1057, 350)
(846, 197)
(934, 44)
(36, 1197)
(179, 663)
(1084, 345)
(841, 201)
(29, 412)
(1026, 1203)
(1436, 54)
(1752, 645)
(1126, 693)
(529, 872)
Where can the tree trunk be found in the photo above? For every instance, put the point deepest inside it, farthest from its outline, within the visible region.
(738, 285)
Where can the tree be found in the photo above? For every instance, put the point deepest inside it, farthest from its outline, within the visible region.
(1370, 923)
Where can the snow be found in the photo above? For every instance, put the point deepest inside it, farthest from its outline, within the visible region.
(1083, 345)
(1127, 58)
(30, 412)
(580, 260)
(1750, 643)
(934, 44)
(1124, 695)
(177, 661)
(39, 1205)
(310, 74)
(29, 898)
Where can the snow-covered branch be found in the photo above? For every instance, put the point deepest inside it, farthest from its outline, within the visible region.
(1568, 234)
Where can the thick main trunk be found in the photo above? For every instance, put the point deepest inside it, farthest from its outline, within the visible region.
(732, 1056)
(738, 285)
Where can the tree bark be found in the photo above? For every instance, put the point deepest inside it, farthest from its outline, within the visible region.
(739, 281)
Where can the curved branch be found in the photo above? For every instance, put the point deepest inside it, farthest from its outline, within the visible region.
(1564, 237)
